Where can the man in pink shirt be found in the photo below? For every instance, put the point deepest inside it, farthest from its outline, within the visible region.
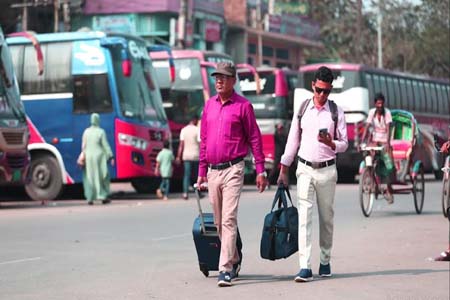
(316, 145)
(228, 128)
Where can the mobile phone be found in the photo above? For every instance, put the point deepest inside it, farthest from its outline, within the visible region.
(323, 131)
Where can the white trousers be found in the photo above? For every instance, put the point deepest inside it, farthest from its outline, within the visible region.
(322, 183)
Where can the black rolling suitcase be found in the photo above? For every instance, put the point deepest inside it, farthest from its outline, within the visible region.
(207, 241)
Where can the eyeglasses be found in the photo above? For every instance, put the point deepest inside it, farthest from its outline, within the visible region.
(222, 77)
(319, 91)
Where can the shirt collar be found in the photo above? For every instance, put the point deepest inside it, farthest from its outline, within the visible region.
(232, 98)
(326, 106)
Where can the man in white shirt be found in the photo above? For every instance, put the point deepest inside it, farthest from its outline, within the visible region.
(188, 151)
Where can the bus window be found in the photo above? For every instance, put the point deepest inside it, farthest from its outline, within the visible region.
(91, 94)
(417, 99)
(397, 95)
(383, 86)
(370, 85)
(403, 93)
(429, 90)
(16, 55)
(423, 101)
(376, 83)
(137, 98)
(409, 95)
(392, 100)
(57, 66)
(442, 97)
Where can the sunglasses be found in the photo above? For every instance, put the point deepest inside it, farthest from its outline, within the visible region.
(319, 90)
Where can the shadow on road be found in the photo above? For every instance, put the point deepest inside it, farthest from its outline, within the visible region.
(389, 273)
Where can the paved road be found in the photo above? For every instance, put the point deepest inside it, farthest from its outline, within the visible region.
(141, 248)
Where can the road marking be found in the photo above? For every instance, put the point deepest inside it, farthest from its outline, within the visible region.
(20, 260)
(171, 237)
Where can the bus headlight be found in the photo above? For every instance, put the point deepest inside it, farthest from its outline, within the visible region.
(133, 141)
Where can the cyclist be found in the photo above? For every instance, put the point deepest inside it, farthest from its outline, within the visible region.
(380, 119)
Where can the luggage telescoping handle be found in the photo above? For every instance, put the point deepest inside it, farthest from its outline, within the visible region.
(200, 212)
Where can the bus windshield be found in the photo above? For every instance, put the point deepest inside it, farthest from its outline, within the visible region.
(184, 98)
(266, 104)
(343, 80)
(10, 104)
(139, 98)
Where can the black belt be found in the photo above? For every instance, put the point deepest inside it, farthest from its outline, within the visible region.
(317, 165)
(223, 166)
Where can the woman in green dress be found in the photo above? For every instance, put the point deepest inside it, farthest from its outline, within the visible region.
(97, 152)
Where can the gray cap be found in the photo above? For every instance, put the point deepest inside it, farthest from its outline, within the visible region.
(225, 68)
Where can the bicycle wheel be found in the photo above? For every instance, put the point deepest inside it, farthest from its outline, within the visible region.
(367, 191)
(419, 190)
(445, 195)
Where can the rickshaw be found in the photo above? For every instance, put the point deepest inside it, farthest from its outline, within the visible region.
(405, 135)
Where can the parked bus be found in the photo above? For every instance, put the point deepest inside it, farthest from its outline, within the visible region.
(354, 88)
(192, 86)
(14, 134)
(87, 72)
(273, 102)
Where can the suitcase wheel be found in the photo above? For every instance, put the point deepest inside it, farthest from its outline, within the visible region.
(204, 270)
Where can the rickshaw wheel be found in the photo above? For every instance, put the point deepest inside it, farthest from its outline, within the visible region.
(419, 190)
(445, 196)
(367, 191)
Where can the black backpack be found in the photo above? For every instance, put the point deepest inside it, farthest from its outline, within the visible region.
(333, 109)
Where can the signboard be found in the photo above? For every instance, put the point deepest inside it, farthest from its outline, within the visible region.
(212, 31)
(115, 23)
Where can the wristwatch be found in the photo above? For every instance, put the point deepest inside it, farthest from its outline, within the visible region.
(262, 174)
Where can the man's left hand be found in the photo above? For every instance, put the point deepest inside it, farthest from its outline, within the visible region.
(261, 182)
(327, 140)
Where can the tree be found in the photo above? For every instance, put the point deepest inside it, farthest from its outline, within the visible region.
(416, 38)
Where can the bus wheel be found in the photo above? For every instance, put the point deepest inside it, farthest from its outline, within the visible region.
(45, 178)
(145, 185)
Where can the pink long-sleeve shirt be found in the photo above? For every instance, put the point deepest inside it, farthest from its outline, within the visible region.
(308, 146)
(227, 131)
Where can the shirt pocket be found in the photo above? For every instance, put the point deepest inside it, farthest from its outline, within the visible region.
(232, 127)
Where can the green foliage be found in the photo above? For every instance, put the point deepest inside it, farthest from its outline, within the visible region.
(415, 37)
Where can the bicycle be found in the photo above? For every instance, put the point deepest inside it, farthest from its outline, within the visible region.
(403, 145)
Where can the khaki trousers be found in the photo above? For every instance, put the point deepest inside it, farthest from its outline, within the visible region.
(321, 182)
(224, 191)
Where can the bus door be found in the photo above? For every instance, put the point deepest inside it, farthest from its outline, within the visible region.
(92, 93)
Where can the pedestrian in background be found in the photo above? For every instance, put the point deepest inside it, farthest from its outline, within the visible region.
(280, 138)
(164, 169)
(228, 129)
(188, 151)
(316, 142)
(96, 152)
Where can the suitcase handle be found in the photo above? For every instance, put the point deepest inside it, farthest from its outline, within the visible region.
(197, 196)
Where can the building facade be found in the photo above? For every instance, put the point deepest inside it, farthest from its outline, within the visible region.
(250, 31)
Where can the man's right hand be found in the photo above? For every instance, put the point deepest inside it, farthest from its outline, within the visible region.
(283, 178)
(202, 183)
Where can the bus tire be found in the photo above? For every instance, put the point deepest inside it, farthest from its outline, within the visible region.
(145, 185)
(45, 180)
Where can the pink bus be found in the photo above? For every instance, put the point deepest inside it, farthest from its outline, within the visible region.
(272, 101)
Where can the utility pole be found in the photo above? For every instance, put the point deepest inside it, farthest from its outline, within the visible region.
(358, 32)
(182, 17)
(379, 34)
(55, 15)
(259, 29)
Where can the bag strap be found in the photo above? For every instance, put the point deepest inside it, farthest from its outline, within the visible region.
(280, 197)
(334, 116)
